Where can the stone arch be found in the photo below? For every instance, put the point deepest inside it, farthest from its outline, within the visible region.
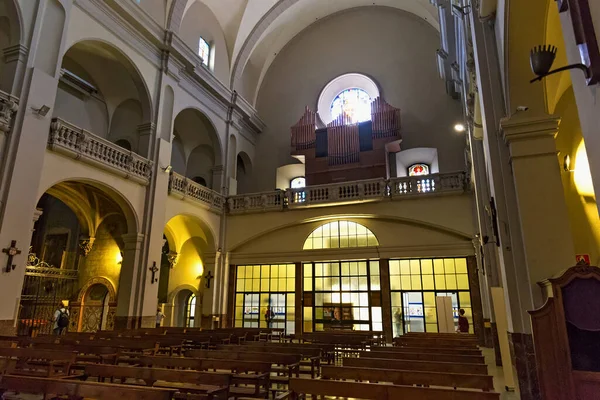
(11, 34)
(200, 145)
(112, 294)
(117, 197)
(243, 172)
(125, 123)
(100, 68)
(175, 307)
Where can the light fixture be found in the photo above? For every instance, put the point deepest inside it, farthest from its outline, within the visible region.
(119, 258)
(542, 58)
(459, 127)
(42, 111)
(167, 169)
(567, 164)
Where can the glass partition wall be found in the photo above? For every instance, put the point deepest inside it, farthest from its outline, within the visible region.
(347, 295)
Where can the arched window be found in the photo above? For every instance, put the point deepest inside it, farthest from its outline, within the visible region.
(355, 102)
(204, 51)
(298, 182)
(418, 169)
(340, 234)
(200, 180)
(124, 144)
(190, 311)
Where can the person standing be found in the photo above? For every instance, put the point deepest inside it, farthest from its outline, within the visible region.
(398, 322)
(61, 319)
(159, 317)
(269, 316)
(463, 322)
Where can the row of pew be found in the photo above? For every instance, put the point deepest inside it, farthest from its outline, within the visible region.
(238, 363)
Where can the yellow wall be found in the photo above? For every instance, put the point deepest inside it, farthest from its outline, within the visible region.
(582, 208)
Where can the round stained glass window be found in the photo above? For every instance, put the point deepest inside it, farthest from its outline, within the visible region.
(356, 103)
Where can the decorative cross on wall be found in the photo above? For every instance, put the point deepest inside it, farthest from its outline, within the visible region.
(11, 252)
(209, 276)
(154, 269)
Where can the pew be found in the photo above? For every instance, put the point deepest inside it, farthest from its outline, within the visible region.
(436, 350)
(434, 342)
(432, 366)
(78, 389)
(253, 373)
(372, 391)
(214, 385)
(85, 353)
(409, 377)
(36, 362)
(458, 358)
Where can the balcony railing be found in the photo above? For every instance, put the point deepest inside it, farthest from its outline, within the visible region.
(183, 187)
(349, 192)
(8, 107)
(80, 144)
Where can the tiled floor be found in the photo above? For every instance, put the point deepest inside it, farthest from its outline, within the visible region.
(498, 374)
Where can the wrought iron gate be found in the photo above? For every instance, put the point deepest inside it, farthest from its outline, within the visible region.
(44, 288)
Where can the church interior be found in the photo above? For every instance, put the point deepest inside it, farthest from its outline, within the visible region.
(344, 198)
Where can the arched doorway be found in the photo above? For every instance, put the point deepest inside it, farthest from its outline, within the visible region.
(77, 242)
(190, 311)
(95, 307)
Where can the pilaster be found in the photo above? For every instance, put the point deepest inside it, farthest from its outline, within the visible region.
(146, 133)
(15, 61)
(544, 219)
(131, 283)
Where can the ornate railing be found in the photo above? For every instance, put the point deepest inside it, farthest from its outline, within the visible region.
(254, 202)
(9, 105)
(78, 143)
(347, 192)
(181, 186)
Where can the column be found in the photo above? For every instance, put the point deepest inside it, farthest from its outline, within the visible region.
(131, 285)
(545, 227)
(146, 133)
(217, 176)
(299, 299)
(386, 299)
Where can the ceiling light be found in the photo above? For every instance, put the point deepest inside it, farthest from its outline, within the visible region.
(459, 128)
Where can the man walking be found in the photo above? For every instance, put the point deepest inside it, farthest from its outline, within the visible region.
(61, 319)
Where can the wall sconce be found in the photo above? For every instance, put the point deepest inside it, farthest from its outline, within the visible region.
(42, 111)
(119, 258)
(542, 58)
(460, 128)
(567, 164)
(167, 169)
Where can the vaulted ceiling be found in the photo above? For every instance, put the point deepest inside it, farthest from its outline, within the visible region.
(256, 30)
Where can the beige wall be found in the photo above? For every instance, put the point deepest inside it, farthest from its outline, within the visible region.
(435, 226)
(395, 48)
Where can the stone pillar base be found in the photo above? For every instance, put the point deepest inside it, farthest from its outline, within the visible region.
(496, 343)
(523, 358)
(7, 328)
(487, 334)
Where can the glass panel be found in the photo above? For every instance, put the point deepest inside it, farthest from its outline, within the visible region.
(428, 282)
(308, 319)
(416, 282)
(465, 299)
(375, 284)
(405, 267)
(406, 282)
(440, 282)
(438, 266)
(394, 267)
(461, 265)
(462, 281)
(395, 283)
(449, 265)
(427, 267)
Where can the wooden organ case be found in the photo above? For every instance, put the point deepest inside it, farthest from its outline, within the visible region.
(344, 151)
(566, 336)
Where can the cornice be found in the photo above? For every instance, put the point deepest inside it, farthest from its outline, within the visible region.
(527, 128)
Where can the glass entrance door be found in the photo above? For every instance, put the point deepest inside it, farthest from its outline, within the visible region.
(277, 304)
(412, 304)
(251, 310)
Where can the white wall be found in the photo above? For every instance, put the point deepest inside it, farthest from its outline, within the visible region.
(395, 48)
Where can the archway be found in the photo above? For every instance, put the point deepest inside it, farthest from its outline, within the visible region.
(188, 242)
(102, 91)
(78, 241)
(95, 307)
(196, 147)
(243, 173)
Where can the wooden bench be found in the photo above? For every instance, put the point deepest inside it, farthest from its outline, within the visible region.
(36, 362)
(215, 385)
(409, 377)
(85, 353)
(434, 342)
(436, 350)
(291, 362)
(372, 391)
(253, 373)
(80, 390)
(432, 366)
(458, 358)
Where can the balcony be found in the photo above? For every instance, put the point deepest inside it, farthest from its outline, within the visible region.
(86, 147)
(184, 188)
(8, 107)
(350, 192)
